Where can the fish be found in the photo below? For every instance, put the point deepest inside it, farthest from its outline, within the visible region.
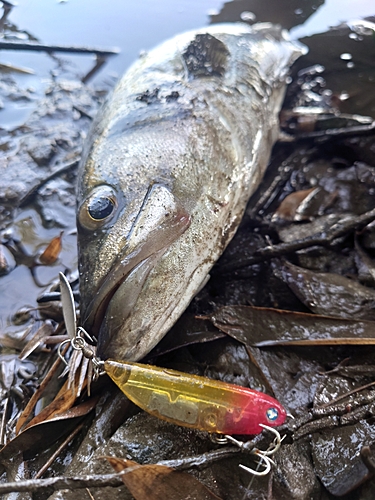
(171, 161)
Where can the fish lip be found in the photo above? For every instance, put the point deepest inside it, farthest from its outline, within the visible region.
(108, 330)
(98, 306)
(97, 309)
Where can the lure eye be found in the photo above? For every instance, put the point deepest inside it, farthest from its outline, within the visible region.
(98, 207)
(272, 414)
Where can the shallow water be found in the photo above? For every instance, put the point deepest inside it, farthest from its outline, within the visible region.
(133, 26)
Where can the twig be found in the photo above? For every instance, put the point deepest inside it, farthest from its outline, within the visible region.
(3, 421)
(101, 54)
(66, 167)
(55, 297)
(100, 61)
(113, 480)
(346, 395)
(338, 132)
(201, 461)
(368, 459)
(89, 494)
(7, 7)
(82, 112)
(53, 457)
(342, 227)
(7, 4)
(39, 47)
(64, 483)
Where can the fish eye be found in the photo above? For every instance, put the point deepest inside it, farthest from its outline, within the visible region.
(272, 414)
(98, 207)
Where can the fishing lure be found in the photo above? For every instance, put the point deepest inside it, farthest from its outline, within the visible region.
(193, 401)
(180, 398)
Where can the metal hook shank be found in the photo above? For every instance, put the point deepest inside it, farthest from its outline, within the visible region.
(264, 472)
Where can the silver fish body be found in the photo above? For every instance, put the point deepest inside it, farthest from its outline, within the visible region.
(167, 170)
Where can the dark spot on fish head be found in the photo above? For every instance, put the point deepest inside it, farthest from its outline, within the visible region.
(149, 96)
(174, 95)
(206, 56)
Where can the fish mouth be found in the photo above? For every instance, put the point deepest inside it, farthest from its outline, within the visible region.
(160, 222)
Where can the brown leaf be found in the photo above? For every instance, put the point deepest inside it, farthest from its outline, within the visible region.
(64, 401)
(292, 205)
(51, 253)
(263, 326)
(328, 293)
(158, 482)
(41, 334)
(38, 437)
(7, 261)
(25, 415)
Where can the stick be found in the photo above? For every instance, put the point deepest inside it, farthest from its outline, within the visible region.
(39, 47)
(113, 480)
(53, 457)
(341, 228)
(62, 169)
(338, 132)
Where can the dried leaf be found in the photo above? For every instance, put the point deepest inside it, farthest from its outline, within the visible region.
(63, 402)
(73, 367)
(41, 334)
(292, 206)
(263, 326)
(328, 293)
(25, 415)
(187, 331)
(83, 376)
(341, 473)
(158, 482)
(367, 261)
(51, 253)
(7, 261)
(40, 436)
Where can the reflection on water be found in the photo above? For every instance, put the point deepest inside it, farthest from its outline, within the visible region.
(288, 13)
(348, 61)
(132, 29)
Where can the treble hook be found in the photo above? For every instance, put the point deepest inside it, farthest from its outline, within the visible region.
(267, 466)
(59, 351)
(85, 334)
(275, 445)
(273, 448)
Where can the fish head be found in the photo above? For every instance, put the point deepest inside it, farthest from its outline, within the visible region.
(128, 217)
(165, 176)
